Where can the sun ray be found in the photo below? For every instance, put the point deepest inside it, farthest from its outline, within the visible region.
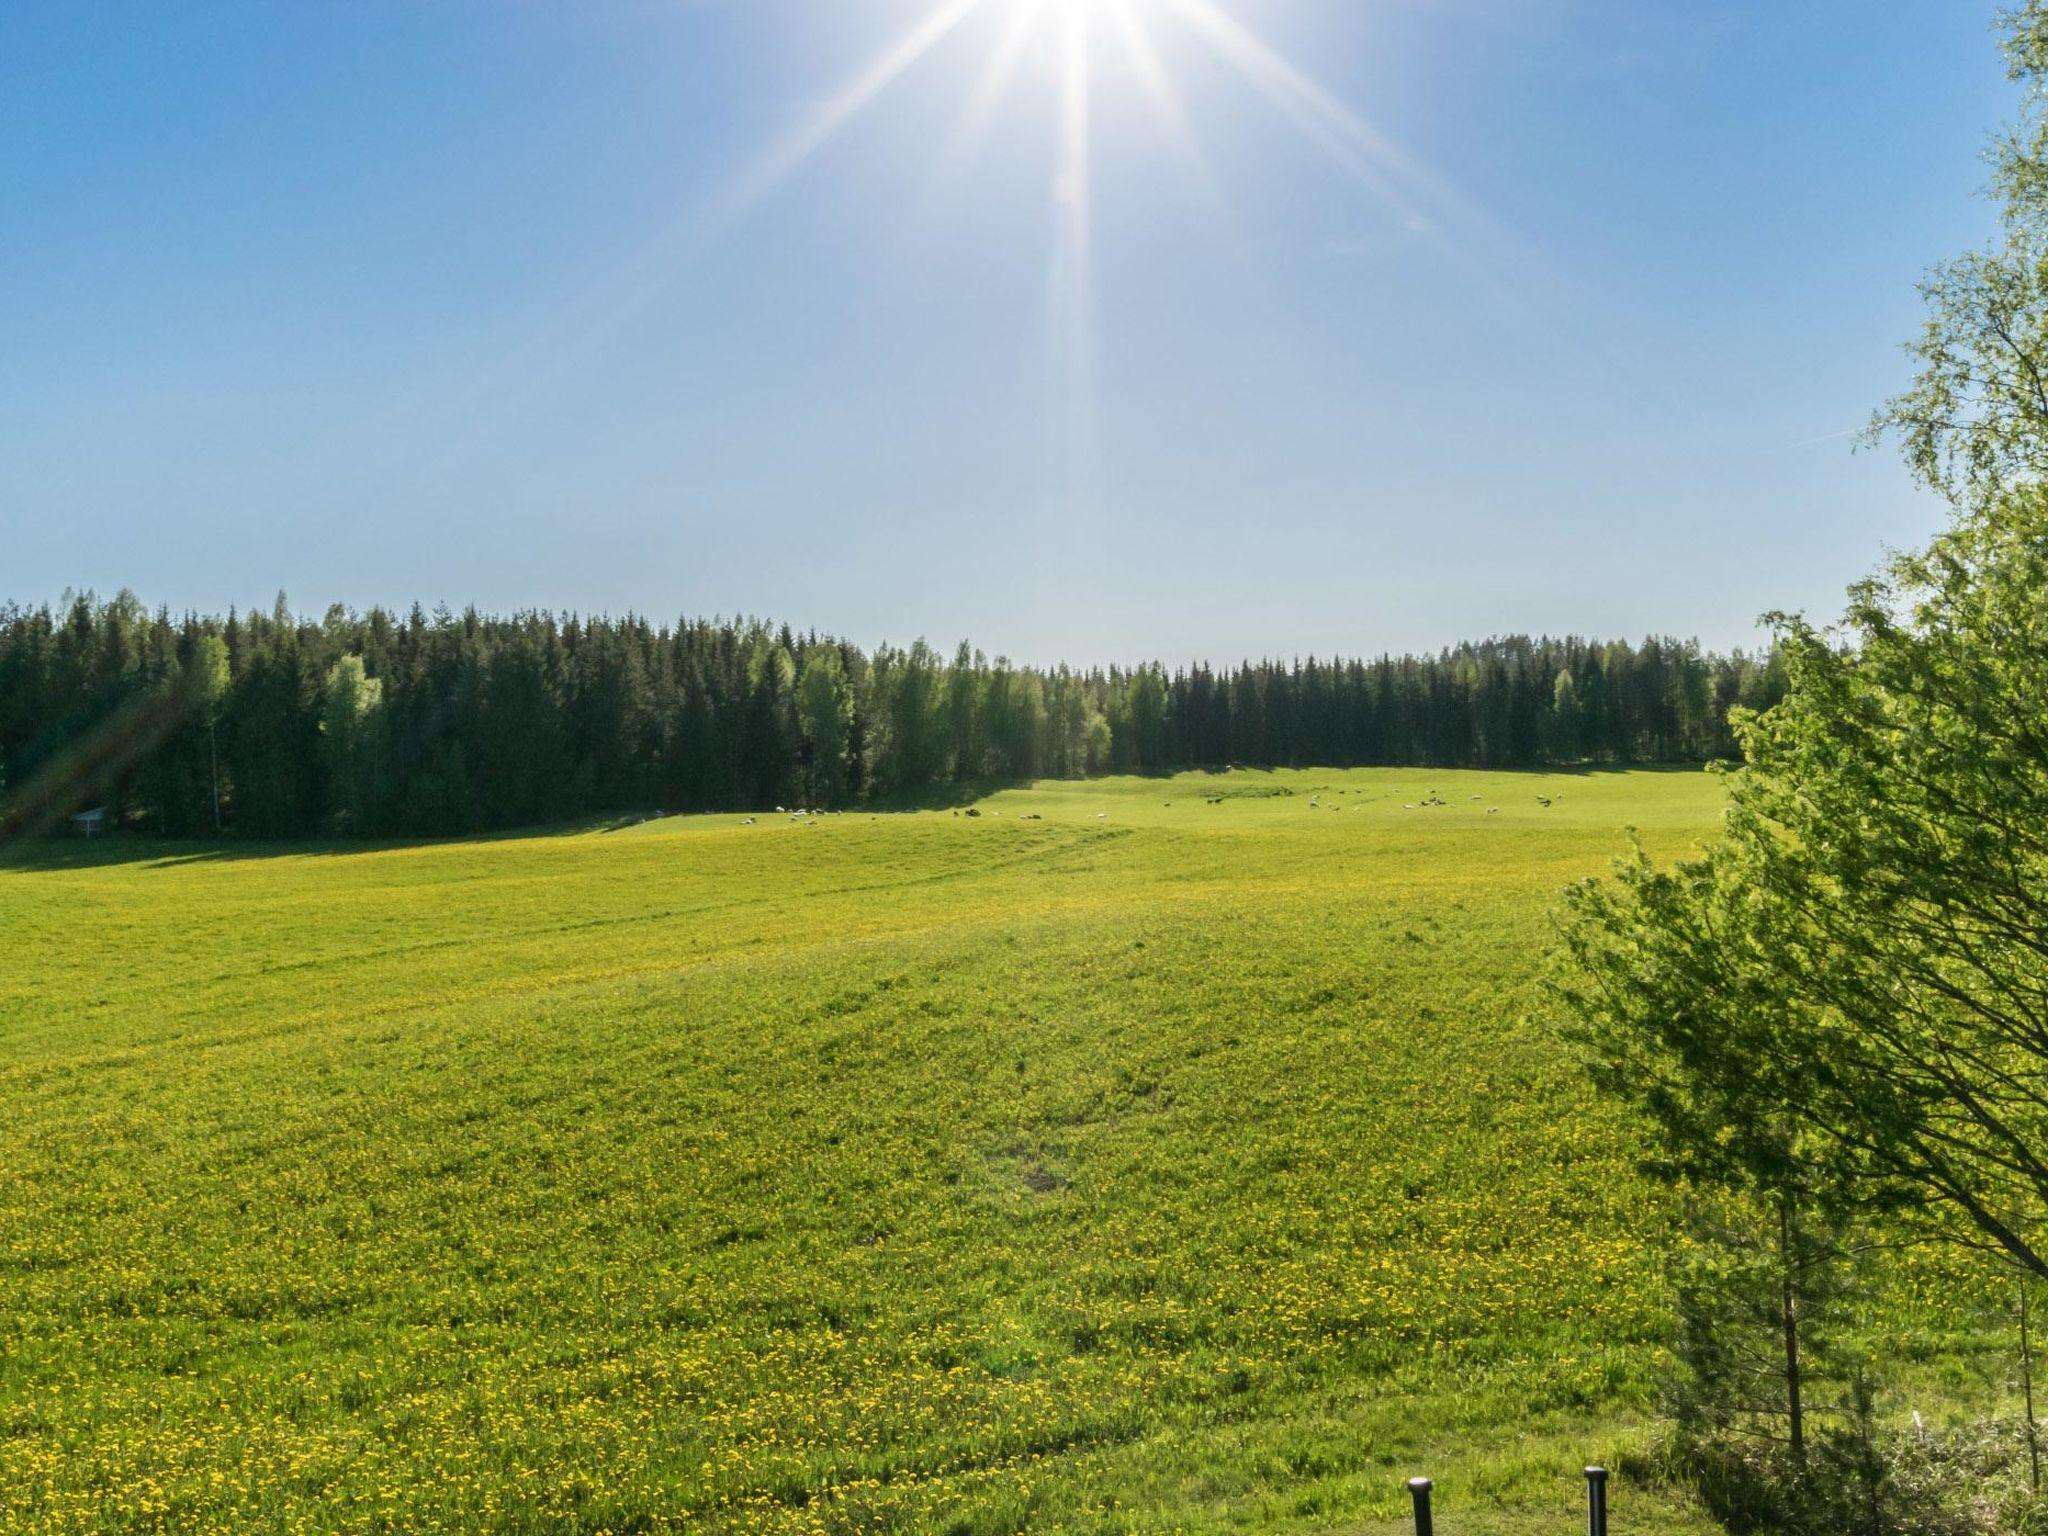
(1163, 98)
(1342, 133)
(754, 185)
(788, 154)
(1075, 189)
(1424, 203)
(1072, 272)
(585, 324)
(989, 90)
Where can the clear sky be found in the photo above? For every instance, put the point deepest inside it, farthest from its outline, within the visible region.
(1086, 329)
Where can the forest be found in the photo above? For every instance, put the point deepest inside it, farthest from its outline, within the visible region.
(277, 725)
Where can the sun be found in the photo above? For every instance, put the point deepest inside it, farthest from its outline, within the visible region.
(1086, 33)
(1092, 41)
(1084, 36)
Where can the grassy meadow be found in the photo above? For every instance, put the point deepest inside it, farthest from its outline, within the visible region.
(1137, 1155)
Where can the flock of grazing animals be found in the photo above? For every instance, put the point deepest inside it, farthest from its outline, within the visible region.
(1435, 801)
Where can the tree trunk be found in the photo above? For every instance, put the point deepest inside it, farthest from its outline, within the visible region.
(2027, 1384)
(1789, 1315)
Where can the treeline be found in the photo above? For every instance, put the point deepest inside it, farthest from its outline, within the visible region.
(276, 725)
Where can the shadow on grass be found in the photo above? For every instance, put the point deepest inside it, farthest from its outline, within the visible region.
(59, 852)
(1603, 770)
(62, 852)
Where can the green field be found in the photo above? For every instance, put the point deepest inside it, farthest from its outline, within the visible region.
(1181, 1159)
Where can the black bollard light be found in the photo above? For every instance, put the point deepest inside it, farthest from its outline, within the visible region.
(1596, 1501)
(1418, 1488)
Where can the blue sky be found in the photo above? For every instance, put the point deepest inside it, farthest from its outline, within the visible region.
(457, 301)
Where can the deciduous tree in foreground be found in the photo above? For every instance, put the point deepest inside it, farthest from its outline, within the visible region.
(1847, 997)
(1837, 1017)
(1846, 1000)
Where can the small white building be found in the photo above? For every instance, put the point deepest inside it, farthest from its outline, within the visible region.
(92, 823)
